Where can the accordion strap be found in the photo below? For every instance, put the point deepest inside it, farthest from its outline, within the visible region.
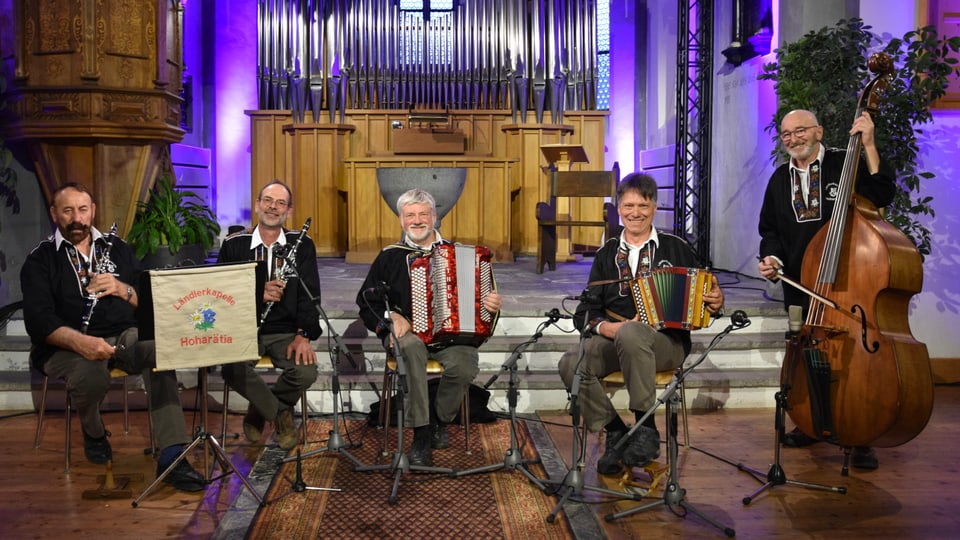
(615, 316)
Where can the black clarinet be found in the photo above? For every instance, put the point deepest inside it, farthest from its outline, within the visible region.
(290, 257)
(102, 260)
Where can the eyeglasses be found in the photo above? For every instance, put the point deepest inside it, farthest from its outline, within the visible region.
(799, 132)
(269, 201)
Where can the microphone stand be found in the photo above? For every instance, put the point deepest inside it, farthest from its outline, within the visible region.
(775, 475)
(572, 483)
(335, 442)
(513, 457)
(673, 494)
(401, 462)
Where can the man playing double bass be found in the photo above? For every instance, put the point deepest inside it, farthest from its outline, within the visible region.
(799, 200)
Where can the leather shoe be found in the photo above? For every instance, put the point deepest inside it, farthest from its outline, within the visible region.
(97, 450)
(642, 447)
(253, 423)
(797, 439)
(287, 436)
(609, 463)
(864, 457)
(183, 477)
(439, 438)
(421, 455)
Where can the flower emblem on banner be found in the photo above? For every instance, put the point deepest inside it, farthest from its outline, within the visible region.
(204, 317)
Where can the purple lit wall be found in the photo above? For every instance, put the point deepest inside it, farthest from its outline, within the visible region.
(233, 27)
(624, 126)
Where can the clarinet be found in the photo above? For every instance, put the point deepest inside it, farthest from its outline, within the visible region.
(101, 268)
(290, 255)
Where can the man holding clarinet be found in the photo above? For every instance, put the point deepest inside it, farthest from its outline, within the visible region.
(79, 299)
(289, 321)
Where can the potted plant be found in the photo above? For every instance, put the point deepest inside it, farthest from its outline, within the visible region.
(169, 222)
(824, 71)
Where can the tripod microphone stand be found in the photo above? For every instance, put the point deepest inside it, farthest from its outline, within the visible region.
(572, 483)
(776, 475)
(400, 463)
(513, 457)
(335, 442)
(206, 438)
(673, 494)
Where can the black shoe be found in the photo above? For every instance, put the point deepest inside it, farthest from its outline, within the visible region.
(97, 450)
(642, 447)
(439, 438)
(420, 454)
(183, 477)
(865, 457)
(609, 463)
(797, 439)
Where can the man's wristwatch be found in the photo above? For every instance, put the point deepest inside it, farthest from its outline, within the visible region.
(129, 293)
(304, 334)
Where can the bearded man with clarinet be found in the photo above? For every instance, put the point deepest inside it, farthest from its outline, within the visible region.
(289, 321)
(79, 299)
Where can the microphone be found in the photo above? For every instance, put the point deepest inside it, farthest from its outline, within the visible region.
(379, 289)
(556, 315)
(795, 314)
(586, 296)
(739, 319)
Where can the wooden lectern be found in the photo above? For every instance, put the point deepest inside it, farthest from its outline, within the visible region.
(561, 158)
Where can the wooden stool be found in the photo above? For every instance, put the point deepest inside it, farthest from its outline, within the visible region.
(114, 374)
(614, 381)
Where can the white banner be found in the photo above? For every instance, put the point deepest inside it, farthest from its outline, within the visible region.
(204, 316)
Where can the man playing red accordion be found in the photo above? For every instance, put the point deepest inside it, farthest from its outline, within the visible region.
(618, 340)
(389, 278)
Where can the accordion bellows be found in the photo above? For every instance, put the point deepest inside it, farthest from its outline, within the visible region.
(448, 287)
(672, 297)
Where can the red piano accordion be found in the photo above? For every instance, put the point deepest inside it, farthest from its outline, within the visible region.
(448, 286)
(672, 297)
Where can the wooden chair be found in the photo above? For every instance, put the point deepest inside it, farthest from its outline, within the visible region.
(114, 374)
(598, 185)
(434, 367)
(265, 362)
(614, 382)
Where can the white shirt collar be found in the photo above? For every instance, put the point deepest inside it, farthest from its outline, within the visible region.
(257, 240)
(58, 238)
(793, 166)
(633, 252)
(437, 239)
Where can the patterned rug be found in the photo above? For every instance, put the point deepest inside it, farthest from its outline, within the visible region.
(500, 504)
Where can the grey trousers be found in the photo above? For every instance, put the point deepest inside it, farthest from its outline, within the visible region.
(461, 363)
(88, 382)
(242, 377)
(638, 350)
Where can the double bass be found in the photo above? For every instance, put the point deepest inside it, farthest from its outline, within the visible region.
(854, 375)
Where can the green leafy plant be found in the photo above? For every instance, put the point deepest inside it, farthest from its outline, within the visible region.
(825, 71)
(171, 218)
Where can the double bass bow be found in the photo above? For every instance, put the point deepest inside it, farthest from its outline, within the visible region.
(854, 374)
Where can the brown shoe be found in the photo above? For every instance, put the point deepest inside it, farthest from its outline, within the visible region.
(253, 424)
(287, 436)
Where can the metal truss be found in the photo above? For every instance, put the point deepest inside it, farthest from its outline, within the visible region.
(691, 219)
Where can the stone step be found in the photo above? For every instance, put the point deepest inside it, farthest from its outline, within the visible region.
(742, 370)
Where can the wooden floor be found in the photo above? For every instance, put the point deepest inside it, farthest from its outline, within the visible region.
(914, 494)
